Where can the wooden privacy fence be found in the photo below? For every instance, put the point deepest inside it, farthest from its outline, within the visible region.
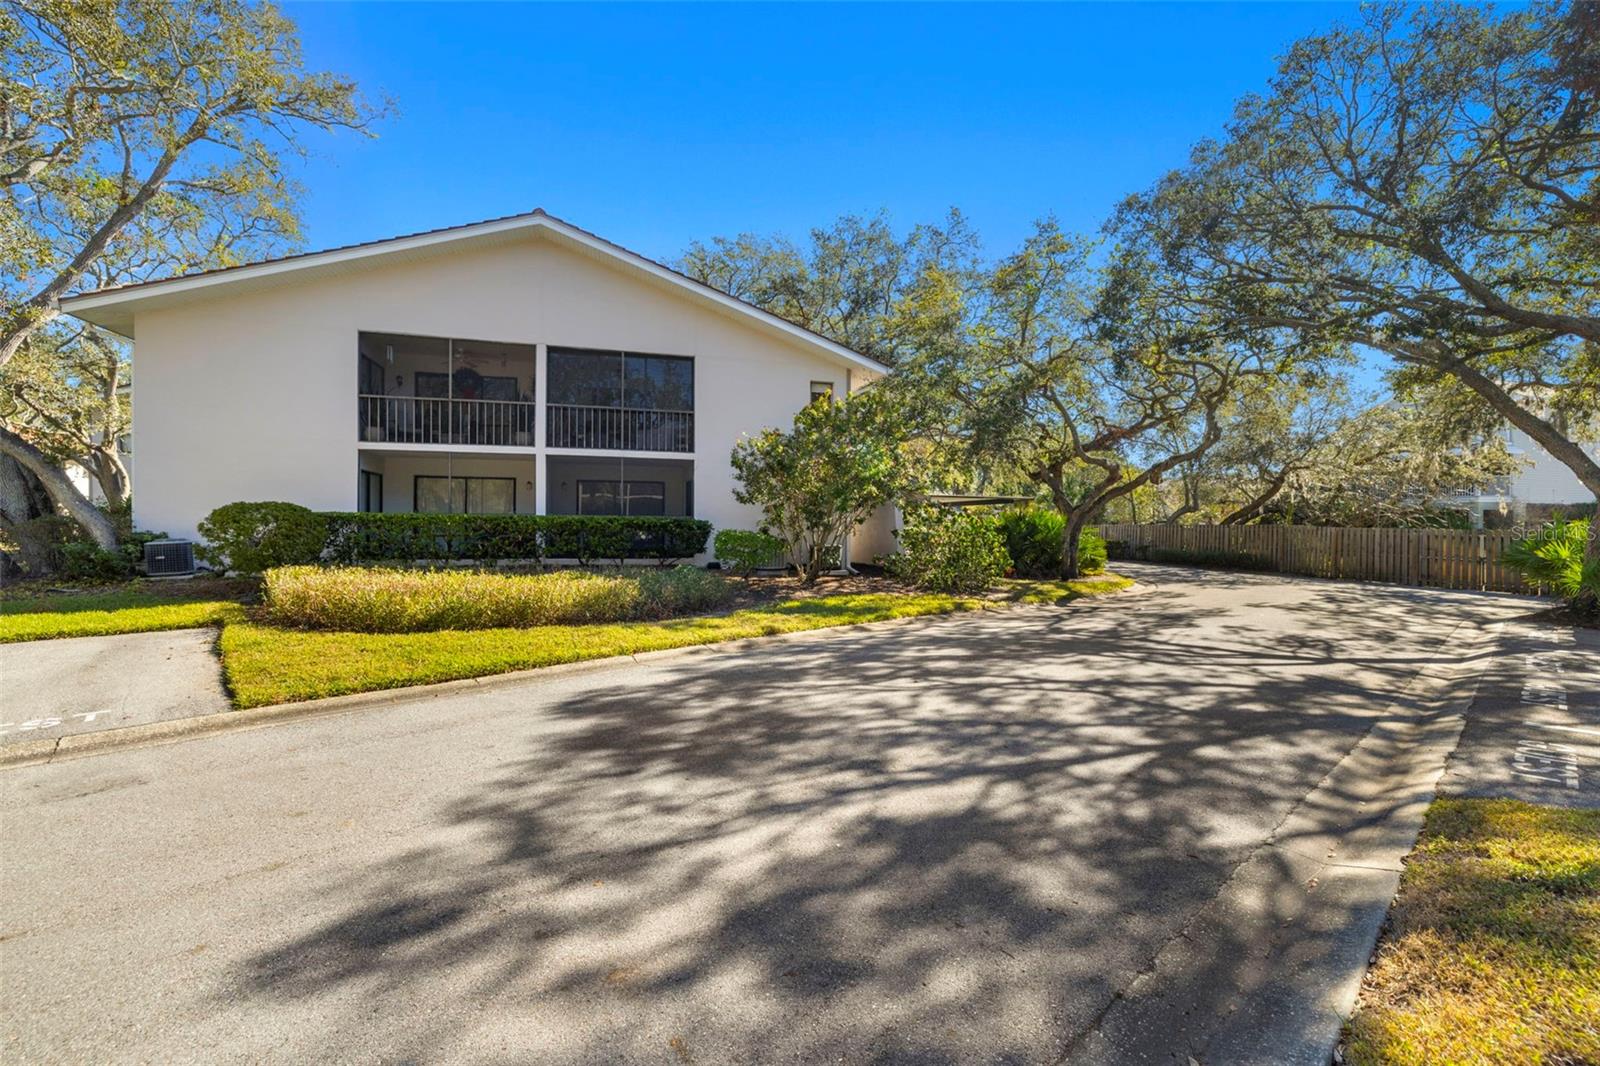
(1433, 558)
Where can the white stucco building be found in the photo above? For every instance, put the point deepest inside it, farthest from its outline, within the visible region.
(1540, 487)
(517, 365)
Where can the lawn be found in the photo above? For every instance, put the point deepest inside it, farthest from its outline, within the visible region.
(1493, 950)
(264, 664)
(1023, 590)
(125, 610)
(267, 664)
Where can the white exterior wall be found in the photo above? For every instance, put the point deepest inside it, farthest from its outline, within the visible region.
(252, 396)
(1544, 479)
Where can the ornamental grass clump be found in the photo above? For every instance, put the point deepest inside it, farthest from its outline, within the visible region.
(362, 600)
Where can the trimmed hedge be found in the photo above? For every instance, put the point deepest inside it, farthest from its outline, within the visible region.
(251, 537)
(371, 538)
(744, 551)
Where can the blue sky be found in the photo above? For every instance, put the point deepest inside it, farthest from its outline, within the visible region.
(654, 125)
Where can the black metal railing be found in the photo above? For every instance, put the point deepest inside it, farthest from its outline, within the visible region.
(619, 428)
(436, 420)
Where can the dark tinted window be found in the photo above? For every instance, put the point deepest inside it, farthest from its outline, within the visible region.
(585, 379)
(599, 497)
(659, 382)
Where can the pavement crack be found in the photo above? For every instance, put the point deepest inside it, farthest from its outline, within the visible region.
(1182, 933)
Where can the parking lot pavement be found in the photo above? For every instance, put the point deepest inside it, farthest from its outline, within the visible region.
(53, 688)
(1533, 732)
(963, 840)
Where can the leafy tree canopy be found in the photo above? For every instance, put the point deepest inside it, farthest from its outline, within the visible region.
(1425, 183)
(138, 138)
(842, 460)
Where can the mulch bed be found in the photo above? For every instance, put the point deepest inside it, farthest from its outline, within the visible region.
(761, 590)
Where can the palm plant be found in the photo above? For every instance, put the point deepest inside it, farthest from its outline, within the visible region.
(1554, 557)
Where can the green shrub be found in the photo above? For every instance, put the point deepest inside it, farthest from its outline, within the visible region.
(1553, 557)
(745, 550)
(947, 550)
(253, 537)
(590, 537)
(1033, 540)
(83, 560)
(373, 538)
(1091, 552)
(358, 599)
(679, 590)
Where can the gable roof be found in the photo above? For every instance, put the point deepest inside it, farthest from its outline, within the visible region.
(114, 308)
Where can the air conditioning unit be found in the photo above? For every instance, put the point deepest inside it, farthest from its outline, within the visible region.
(169, 558)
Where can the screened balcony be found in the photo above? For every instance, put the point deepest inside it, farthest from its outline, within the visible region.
(438, 390)
(619, 401)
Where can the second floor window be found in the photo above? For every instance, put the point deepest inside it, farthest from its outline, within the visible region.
(585, 378)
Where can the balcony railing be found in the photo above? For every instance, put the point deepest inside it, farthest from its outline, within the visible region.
(619, 428)
(435, 420)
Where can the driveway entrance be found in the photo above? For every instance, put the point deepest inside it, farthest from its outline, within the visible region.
(959, 841)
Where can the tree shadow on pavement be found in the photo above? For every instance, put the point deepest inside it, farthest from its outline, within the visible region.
(948, 842)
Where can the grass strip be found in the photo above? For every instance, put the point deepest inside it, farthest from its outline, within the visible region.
(267, 664)
(264, 664)
(1023, 590)
(1492, 955)
(124, 611)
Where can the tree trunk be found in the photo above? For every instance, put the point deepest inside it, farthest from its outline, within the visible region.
(813, 565)
(1253, 508)
(1564, 450)
(1543, 433)
(94, 521)
(1587, 601)
(111, 474)
(1070, 533)
(24, 504)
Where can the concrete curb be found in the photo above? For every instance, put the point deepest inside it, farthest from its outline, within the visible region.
(80, 745)
(1269, 970)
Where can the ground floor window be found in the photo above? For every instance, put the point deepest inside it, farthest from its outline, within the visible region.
(603, 496)
(464, 495)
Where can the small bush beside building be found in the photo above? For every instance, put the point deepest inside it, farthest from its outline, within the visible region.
(745, 551)
(249, 538)
(949, 551)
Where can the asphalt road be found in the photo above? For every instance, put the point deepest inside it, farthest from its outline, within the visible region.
(50, 688)
(1534, 730)
(938, 843)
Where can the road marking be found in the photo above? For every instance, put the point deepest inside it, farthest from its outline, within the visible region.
(1543, 761)
(46, 723)
(1546, 762)
(1567, 728)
